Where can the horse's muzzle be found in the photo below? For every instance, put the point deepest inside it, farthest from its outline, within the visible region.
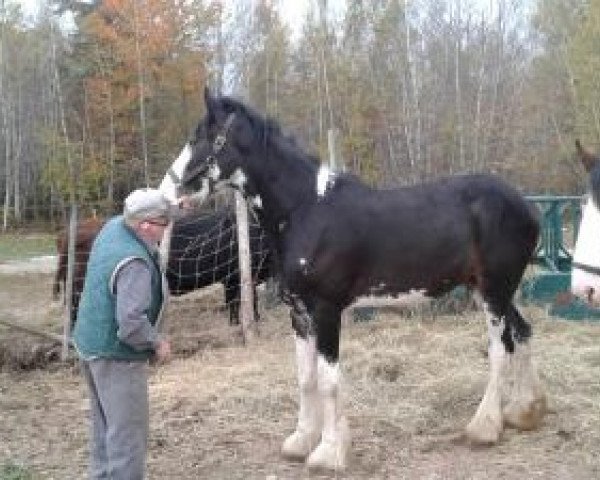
(586, 286)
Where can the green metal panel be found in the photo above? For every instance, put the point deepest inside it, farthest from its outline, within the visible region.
(554, 288)
(552, 252)
(575, 309)
(545, 287)
(553, 285)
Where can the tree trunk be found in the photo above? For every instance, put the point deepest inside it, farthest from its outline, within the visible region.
(458, 89)
(110, 191)
(479, 98)
(16, 170)
(63, 122)
(7, 165)
(141, 88)
(3, 112)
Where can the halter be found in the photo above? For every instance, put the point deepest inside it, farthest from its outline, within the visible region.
(587, 268)
(218, 144)
(584, 267)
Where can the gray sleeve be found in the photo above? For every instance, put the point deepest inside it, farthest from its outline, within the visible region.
(133, 296)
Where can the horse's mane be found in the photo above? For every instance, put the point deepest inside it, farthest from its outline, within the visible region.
(595, 185)
(588, 159)
(591, 163)
(268, 129)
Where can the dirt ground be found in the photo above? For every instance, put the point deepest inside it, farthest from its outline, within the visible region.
(222, 410)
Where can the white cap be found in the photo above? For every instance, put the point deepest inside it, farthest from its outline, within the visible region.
(146, 204)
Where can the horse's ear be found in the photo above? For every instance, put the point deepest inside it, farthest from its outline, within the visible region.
(588, 160)
(214, 106)
(209, 100)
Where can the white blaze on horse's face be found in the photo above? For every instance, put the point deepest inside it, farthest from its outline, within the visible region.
(169, 184)
(324, 180)
(586, 285)
(257, 201)
(214, 172)
(238, 179)
(302, 262)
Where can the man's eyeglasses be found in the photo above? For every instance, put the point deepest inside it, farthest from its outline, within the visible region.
(157, 223)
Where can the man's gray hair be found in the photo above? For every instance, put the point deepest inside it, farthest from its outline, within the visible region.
(146, 204)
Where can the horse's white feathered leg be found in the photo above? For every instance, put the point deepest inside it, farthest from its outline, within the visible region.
(526, 400)
(332, 452)
(310, 419)
(486, 424)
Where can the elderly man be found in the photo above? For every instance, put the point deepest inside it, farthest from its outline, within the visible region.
(116, 333)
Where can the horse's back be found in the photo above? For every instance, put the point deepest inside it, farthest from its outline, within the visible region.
(85, 234)
(421, 236)
(448, 208)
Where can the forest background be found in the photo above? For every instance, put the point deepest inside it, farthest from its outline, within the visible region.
(415, 89)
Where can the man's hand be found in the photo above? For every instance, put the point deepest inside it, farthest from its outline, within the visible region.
(162, 353)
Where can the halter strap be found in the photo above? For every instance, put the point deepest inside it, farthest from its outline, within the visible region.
(218, 144)
(173, 176)
(587, 268)
(221, 138)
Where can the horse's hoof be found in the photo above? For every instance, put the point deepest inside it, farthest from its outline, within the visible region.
(327, 456)
(332, 453)
(525, 417)
(298, 445)
(484, 431)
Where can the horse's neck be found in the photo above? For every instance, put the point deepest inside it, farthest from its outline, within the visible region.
(288, 182)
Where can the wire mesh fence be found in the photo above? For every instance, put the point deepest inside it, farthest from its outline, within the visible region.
(203, 260)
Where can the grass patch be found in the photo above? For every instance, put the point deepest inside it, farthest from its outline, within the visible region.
(11, 471)
(23, 246)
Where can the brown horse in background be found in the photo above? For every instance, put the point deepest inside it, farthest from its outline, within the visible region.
(86, 231)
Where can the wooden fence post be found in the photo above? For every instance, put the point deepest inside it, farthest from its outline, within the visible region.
(247, 292)
(72, 240)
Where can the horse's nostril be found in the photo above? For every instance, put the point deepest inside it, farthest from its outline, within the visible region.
(589, 294)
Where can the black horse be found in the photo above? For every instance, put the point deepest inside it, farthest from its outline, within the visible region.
(204, 250)
(338, 240)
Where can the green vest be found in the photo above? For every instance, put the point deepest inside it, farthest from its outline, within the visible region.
(95, 333)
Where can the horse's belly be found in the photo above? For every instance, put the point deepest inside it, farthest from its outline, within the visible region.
(412, 298)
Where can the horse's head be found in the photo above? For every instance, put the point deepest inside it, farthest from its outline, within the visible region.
(218, 151)
(585, 278)
(591, 163)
